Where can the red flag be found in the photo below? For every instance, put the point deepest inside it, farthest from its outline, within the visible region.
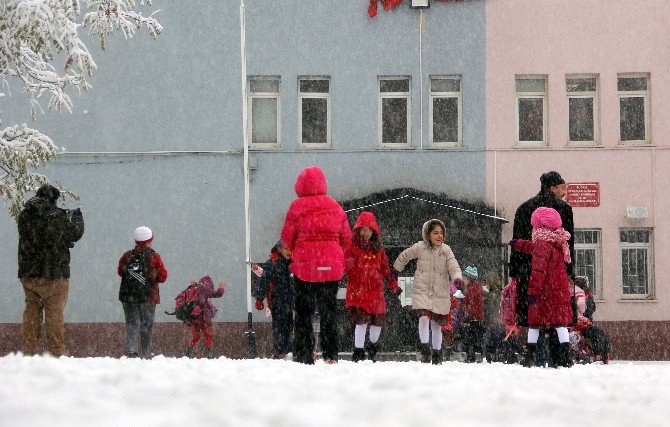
(386, 4)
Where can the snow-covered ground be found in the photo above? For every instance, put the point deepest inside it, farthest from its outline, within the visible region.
(44, 391)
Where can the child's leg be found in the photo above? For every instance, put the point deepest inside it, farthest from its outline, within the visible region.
(533, 335)
(563, 334)
(436, 332)
(424, 329)
(207, 333)
(196, 334)
(375, 332)
(359, 335)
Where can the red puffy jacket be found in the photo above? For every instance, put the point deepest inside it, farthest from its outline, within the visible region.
(474, 301)
(316, 230)
(548, 284)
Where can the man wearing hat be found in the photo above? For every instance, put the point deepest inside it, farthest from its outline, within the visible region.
(46, 234)
(552, 191)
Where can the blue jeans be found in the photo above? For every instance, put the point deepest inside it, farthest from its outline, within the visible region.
(139, 323)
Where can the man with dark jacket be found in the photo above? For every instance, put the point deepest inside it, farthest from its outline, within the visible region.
(46, 234)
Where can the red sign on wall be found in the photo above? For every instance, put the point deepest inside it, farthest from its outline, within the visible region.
(583, 194)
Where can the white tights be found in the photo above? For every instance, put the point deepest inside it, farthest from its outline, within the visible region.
(425, 326)
(359, 334)
(563, 335)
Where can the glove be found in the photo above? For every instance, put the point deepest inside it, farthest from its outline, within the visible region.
(394, 288)
(259, 304)
(257, 269)
(532, 299)
(512, 242)
(459, 283)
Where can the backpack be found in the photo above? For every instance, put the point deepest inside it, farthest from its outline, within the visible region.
(185, 303)
(136, 282)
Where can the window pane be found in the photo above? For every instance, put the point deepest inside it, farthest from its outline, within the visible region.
(264, 121)
(581, 119)
(530, 85)
(531, 120)
(314, 121)
(631, 83)
(264, 85)
(445, 119)
(314, 86)
(581, 85)
(585, 265)
(635, 270)
(445, 85)
(632, 118)
(395, 85)
(394, 120)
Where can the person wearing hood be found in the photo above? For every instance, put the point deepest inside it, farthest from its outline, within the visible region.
(46, 234)
(276, 286)
(431, 290)
(367, 267)
(316, 231)
(203, 314)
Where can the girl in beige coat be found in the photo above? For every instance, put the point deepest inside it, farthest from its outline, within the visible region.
(431, 298)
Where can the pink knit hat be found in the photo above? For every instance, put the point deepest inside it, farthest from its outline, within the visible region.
(546, 217)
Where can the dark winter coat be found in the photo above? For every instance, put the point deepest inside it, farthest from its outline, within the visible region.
(157, 271)
(520, 263)
(276, 283)
(46, 234)
(316, 230)
(548, 285)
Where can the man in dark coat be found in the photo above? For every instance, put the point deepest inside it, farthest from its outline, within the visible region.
(46, 234)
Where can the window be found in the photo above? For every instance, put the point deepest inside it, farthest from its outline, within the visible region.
(633, 93)
(394, 112)
(636, 263)
(445, 111)
(588, 252)
(531, 110)
(582, 109)
(314, 117)
(264, 115)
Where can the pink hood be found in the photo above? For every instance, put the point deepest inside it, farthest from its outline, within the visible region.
(311, 182)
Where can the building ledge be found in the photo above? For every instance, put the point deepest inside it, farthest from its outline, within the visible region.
(649, 301)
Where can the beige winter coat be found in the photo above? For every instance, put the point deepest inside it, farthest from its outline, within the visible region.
(435, 267)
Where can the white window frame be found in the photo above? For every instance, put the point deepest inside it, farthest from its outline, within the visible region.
(595, 95)
(647, 113)
(545, 113)
(270, 95)
(405, 296)
(597, 287)
(649, 247)
(329, 113)
(386, 95)
(439, 95)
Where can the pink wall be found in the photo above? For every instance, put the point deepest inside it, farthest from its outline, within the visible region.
(603, 37)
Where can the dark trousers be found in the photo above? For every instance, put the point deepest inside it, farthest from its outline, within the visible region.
(139, 323)
(473, 338)
(282, 327)
(308, 297)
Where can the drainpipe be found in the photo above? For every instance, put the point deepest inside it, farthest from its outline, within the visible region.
(422, 23)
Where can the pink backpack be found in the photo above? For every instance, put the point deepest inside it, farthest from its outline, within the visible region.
(186, 306)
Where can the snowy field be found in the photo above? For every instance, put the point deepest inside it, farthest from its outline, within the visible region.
(44, 391)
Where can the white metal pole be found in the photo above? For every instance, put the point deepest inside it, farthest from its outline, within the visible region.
(421, 29)
(247, 226)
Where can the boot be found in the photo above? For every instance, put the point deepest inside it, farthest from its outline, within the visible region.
(446, 354)
(189, 352)
(209, 353)
(424, 353)
(470, 358)
(358, 355)
(437, 357)
(529, 355)
(372, 352)
(565, 355)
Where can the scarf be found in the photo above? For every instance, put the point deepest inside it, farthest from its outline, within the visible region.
(559, 236)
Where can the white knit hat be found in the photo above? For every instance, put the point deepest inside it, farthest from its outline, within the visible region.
(143, 234)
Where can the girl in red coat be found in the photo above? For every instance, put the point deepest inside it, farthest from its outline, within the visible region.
(548, 288)
(367, 268)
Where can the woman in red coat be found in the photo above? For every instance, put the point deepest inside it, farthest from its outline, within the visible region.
(367, 268)
(548, 288)
(316, 231)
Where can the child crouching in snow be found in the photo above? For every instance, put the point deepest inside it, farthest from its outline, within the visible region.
(204, 312)
(548, 288)
(367, 268)
(431, 296)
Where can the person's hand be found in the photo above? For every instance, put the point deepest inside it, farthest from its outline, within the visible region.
(459, 283)
(394, 288)
(222, 284)
(259, 304)
(257, 269)
(532, 299)
(512, 242)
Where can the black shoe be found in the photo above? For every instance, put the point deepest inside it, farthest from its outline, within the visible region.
(358, 355)
(470, 358)
(446, 354)
(436, 358)
(133, 355)
(372, 352)
(565, 355)
(424, 353)
(209, 353)
(529, 356)
(189, 352)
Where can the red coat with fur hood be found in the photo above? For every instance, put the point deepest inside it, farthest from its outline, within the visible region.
(367, 270)
(316, 230)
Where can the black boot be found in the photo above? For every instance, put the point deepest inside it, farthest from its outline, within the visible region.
(565, 355)
(529, 355)
(189, 352)
(470, 355)
(209, 353)
(446, 354)
(437, 357)
(358, 355)
(372, 352)
(424, 353)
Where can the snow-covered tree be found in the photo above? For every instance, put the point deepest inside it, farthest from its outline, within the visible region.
(34, 36)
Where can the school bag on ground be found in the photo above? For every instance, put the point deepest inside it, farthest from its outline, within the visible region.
(136, 282)
(186, 304)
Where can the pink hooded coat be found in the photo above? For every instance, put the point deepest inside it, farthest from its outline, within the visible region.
(316, 230)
